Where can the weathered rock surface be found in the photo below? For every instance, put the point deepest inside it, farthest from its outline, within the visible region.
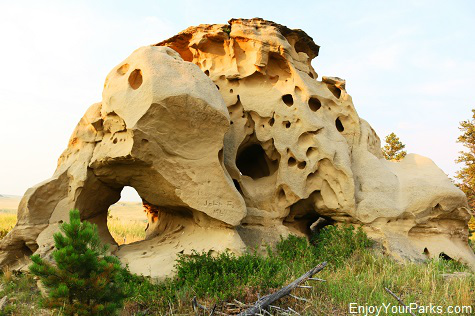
(231, 141)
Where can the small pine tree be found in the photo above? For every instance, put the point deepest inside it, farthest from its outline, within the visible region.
(466, 175)
(84, 281)
(394, 148)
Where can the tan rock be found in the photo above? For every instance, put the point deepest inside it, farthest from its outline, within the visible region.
(231, 141)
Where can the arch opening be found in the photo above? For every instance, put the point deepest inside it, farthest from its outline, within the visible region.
(127, 219)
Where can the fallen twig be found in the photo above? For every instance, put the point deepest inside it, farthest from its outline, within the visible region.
(317, 279)
(264, 302)
(399, 300)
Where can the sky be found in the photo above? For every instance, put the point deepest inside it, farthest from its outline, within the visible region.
(409, 66)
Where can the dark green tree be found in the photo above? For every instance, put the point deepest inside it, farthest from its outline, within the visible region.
(83, 280)
(394, 148)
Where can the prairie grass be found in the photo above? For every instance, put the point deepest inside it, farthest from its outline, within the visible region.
(7, 221)
(123, 231)
(126, 231)
(364, 276)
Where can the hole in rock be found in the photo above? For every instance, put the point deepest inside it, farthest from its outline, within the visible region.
(217, 87)
(426, 252)
(135, 79)
(231, 90)
(311, 75)
(339, 125)
(444, 256)
(335, 90)
(122, 70)
(288, 99)
(237, 185)
(292, 162)
(126, 219)
(252, 161)
(302, 165)
(271, 121)
(305, 218)
(26, 250)
(314, 104)
(287, 124)
(207, 72)
(281, 194)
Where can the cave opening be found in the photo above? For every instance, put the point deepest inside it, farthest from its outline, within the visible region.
(305, 217)
(127, 218)
(252, 161)
(444, 256)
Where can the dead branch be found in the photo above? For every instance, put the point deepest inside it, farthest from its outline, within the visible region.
(264, 302)
(399, 300)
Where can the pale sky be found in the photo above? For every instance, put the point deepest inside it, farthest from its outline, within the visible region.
(409, 66)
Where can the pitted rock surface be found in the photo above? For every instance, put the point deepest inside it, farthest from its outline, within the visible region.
(231, 140)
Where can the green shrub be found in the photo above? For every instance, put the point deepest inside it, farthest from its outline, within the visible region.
(335, 244)
(223, 277)
(226, 275)
(84, 281)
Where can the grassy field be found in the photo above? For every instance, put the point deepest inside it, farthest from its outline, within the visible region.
(7, 221)
(357, 273)
(126, 232)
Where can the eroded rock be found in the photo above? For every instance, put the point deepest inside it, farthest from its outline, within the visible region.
(231, 141)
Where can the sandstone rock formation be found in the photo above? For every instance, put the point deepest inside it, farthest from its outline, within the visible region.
(231, 140)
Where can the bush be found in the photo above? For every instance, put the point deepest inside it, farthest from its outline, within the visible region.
(226, 276)
(84, 281)
(336, 244)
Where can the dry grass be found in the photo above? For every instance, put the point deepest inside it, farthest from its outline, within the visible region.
(7, 274)
(126, 231)
(7, 221)
(363, 278)
(471, 226)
